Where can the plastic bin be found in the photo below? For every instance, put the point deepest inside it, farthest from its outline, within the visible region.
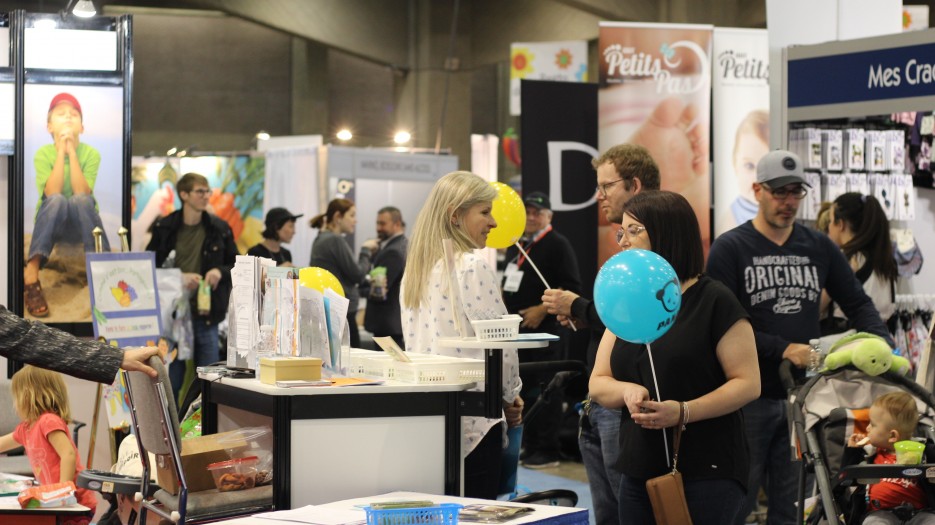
(505, 328)
(442, 514)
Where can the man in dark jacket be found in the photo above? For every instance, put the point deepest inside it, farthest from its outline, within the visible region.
(204, 250)
(383, 318)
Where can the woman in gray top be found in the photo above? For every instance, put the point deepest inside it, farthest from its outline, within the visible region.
(332, 252)
(39, 345)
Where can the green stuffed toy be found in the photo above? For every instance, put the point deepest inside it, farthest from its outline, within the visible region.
(869, 353)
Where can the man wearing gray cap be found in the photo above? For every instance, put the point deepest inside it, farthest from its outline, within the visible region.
(777, 269)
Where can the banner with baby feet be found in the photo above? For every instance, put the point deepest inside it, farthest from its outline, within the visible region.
(740, 120)
(655, 91)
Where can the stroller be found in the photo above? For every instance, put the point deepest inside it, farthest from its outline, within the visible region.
(823, 413)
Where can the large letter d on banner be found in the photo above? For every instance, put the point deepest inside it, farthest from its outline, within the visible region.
(556, 149)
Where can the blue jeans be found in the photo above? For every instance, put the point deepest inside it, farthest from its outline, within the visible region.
(598, 441)
(710, 501)
(63, 218)
(771, 465)
(206, 351)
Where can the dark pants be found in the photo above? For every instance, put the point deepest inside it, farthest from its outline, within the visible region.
(771, 465)
(710, 501)
(206, 351)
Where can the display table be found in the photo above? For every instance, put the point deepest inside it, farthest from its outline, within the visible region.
(541, 515)
(332, 443)
(12, 514)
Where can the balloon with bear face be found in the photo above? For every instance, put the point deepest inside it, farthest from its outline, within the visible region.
(637, 294)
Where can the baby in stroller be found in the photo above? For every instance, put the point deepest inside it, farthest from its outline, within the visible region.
(893, 417)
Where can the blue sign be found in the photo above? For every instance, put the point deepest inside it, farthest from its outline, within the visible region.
(881, 74)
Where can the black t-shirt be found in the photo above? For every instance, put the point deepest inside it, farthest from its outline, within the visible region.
(282, 256)
(687, 367)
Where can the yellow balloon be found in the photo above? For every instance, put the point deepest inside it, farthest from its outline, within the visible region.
(510, 214)
(320, 279)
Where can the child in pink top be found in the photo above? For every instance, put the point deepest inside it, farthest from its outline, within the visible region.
(42, 403)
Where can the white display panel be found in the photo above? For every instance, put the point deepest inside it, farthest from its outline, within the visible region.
(70, 49)
(7, 118)
(4, 47)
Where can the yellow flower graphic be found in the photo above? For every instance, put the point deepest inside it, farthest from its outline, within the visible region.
(521, 62)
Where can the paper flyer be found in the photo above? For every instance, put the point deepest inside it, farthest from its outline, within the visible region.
(654, 90)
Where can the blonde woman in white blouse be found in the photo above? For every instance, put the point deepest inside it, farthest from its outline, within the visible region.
(459, 208)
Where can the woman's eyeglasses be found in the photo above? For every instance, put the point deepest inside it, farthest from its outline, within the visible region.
(629, 232)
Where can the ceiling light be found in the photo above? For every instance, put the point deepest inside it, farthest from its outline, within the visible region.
(262, 135)
(345, 135)
(84, 9)
(402, 137)
(172, 151)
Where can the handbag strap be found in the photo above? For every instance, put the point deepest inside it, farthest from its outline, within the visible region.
(677, 440)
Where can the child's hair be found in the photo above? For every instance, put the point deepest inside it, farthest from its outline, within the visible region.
(37, 391)
(757, 123)
(901, 408)
(335, 207)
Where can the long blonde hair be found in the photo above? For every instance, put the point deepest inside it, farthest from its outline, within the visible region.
(38, 391)
(450, 198)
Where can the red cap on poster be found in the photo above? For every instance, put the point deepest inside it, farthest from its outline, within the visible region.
(65, 97)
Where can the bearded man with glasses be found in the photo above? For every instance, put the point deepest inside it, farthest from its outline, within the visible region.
(204, 250)
(622, 172)
(777, 269)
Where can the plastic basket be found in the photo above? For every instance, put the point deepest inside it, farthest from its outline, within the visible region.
(440, 370)
(503, 329)
(442, 514)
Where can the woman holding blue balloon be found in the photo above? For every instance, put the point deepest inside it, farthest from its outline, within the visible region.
(677, 343)
(440, 296)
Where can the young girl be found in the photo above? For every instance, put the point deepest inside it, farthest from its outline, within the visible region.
(42, 404)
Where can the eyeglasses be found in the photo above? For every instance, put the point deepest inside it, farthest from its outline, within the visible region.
(602, 188)
(629, 232)
(201, 191)
(782, 193)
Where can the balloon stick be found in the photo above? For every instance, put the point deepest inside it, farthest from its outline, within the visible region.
(453, 292)
(541, 278)
(652, 367)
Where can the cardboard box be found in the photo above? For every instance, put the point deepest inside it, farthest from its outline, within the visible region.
(197, 453)
(287, 368)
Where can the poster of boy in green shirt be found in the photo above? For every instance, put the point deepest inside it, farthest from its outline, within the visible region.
(66, 172)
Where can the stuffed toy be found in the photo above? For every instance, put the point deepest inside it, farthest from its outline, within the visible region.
(869, 353)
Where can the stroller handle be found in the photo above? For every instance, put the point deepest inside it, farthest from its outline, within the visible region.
(786, 374)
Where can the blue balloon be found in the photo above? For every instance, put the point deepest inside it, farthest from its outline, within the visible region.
(637, 295)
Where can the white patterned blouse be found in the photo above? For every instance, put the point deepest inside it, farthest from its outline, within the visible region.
(434, 319)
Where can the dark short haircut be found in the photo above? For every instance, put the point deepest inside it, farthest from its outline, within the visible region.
(631, 162)
(672, 227)
(394, 212)
(188, 182)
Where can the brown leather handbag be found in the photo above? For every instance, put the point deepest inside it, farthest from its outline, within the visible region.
(666, 492)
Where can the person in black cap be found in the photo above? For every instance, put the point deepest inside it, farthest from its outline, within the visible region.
(280, 227)
(777, 269)
(522, 293)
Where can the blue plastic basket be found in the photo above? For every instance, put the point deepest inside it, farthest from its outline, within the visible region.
(442, 514)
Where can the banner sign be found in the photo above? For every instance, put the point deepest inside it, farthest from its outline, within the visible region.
(124, 297)
(740, 122)
(559, 126)
(560, 61)
(655, 91)
(858, 75)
